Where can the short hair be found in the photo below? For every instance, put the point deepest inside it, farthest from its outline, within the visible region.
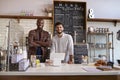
(58, 23)
(39, 19)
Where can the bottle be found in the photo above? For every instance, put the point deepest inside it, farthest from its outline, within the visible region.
(33, 60)
(37, 62)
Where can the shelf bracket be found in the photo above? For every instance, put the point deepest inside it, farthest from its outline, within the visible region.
(18, 20)
(115, 23)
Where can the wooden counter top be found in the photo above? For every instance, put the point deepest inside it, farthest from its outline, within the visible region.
(64, 69)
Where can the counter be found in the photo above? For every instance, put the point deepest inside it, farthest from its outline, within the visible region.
(77, 71)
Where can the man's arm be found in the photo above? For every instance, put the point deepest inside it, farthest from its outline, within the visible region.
(31, 42)
(71, 50)
(70, 59)
(52, 49)
(45, 43)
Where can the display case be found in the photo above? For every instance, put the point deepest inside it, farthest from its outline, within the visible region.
(100, 45)
(15, 50)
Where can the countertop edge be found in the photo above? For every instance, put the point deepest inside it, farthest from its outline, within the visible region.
(56, 74)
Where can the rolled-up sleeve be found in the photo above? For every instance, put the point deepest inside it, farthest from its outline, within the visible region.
(52, 50)
(70, 46)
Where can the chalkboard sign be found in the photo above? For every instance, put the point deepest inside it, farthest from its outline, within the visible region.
(73, 16)
(80, 53)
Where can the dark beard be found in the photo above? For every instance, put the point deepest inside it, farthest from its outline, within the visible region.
(59, 32)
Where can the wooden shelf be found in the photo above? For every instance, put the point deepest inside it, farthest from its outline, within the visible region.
(95, 33)
(24, 17)
(104, 20)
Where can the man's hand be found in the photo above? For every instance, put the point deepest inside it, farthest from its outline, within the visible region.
(39, 42)
(34, 44)
(70, 62)
(70, 59)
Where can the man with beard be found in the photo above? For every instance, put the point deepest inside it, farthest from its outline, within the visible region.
(39, 40)
(62, 43)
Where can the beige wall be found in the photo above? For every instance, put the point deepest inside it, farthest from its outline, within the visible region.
(102, 8)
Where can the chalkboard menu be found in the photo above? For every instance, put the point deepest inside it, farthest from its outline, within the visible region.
(80, 53)
(73, 16)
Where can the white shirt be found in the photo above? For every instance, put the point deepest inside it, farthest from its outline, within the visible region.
(63, 44)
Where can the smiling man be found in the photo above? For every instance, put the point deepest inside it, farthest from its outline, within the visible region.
(39, 41)
(63, 43)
